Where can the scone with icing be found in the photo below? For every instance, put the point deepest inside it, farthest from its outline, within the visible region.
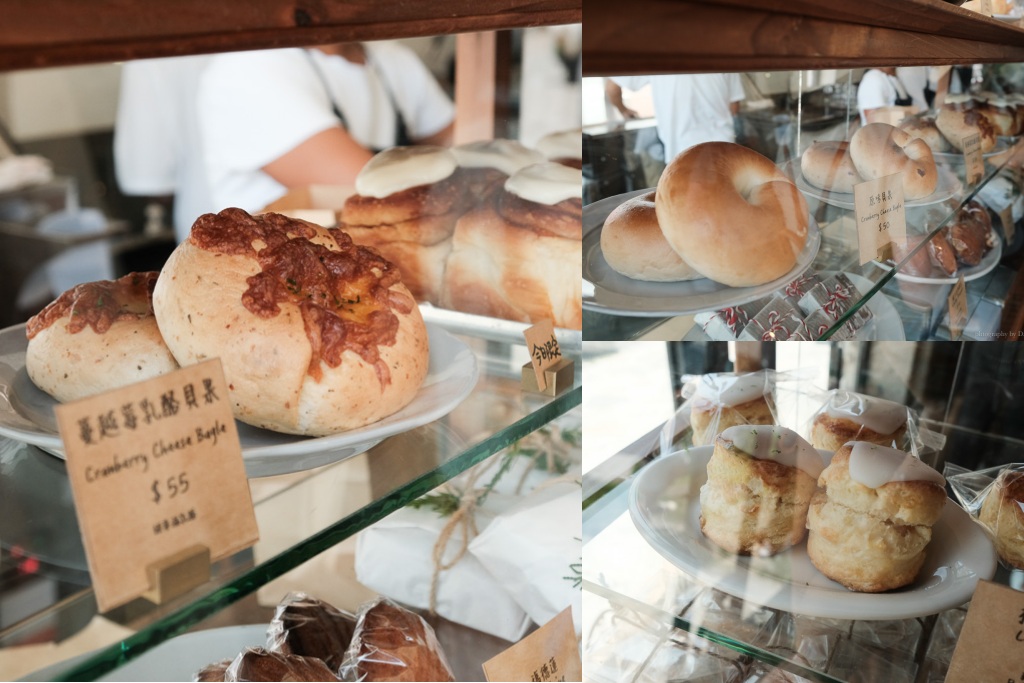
(871, 525)
(723, 400)
(847, 416)
(760, 482)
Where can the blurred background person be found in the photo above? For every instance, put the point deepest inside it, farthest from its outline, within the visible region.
(276, 119)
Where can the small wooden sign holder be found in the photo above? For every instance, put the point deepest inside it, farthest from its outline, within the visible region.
(559, 377)
(177, 574)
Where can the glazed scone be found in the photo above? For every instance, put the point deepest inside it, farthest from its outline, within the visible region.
(723, 400)
(870, 526)
(760, 482)
(848, 416)
(1002, 514)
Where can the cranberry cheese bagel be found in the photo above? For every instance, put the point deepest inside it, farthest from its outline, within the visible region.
(96, 337)
(316, 334)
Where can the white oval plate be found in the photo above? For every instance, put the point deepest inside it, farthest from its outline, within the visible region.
(606, 291)
(988, 262)
(26, 412)
(665, 507)
(947, 186)
(177, 659)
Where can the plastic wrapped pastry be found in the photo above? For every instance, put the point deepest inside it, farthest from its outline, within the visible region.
(256, 664)
(848, 416)
(309, 627)
(723, 400)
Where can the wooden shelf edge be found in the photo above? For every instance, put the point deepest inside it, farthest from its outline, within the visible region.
(679, 36)
(109, 30)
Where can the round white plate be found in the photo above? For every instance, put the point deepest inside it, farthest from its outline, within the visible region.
(988, 262)
(606, 291)
(1002, 144)
(948, 186)
(177, 659)
(665, 507)
(26, 413)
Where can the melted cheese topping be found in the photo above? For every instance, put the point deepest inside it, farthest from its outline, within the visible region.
(784, 446)
(400, 168)
(507, 156)
(547, 183)
(874, 466)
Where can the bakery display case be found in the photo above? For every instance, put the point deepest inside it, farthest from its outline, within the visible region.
(667, 596)
(314, 498)
(740, 261)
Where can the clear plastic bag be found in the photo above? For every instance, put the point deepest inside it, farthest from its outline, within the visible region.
(306, 626)
(717, 401)
(995, 497)
(393, 644)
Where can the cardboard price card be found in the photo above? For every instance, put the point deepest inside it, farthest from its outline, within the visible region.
(881, 218)
(156, 469)
(957, 302)
(548, 654)
(974, 164)
(543, 348)
(992, 639)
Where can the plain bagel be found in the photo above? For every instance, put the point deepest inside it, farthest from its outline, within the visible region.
(316, 334)
(633, 244)
(731, 214)
(827, 164)
(879, 149)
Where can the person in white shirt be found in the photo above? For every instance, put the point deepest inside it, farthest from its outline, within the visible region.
(880, 88)
(271, 120)
(690, 108)
(156, 136)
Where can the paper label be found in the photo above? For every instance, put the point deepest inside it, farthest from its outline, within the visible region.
(1009, 227)
(548, 654)
(990, 644)
(543, 347)
(881, 219)
(155, 468)
(957, 308)
(973, 161)
(985, 7)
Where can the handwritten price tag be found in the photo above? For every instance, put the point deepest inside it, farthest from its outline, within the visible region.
(992, 638)
(881, 219)
(548, 654)
(155, 469)
(973, 161)
(957, 302)
(543, 347)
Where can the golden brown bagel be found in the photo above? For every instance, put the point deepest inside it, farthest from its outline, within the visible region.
(731, 214)
(879, 149)
(827, 164)
(633, 244)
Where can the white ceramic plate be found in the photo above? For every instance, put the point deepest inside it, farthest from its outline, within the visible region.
(26, 413)
(665, 507)
(1002, 144)
(988, 262)
(176, 659)
(606, 291)
(948, 186)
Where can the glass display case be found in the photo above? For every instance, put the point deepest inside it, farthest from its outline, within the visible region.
(730, 283)
(45, 595)
(658, 608)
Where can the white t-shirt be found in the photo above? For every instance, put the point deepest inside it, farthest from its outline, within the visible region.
(690, 108)
(915, 79)
(877, 89)
(156, 135)
(257, 106)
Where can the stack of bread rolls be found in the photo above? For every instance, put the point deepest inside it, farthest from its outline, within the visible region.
(491, 227)
(987, 114)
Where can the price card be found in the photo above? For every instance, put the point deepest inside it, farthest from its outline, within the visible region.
(957, 302)
(156, 469)
(990, 644)
(543, 347)
(548, 654)
(973, 161)
(881, 219)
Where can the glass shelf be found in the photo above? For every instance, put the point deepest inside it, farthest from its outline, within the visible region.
(496, 414)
